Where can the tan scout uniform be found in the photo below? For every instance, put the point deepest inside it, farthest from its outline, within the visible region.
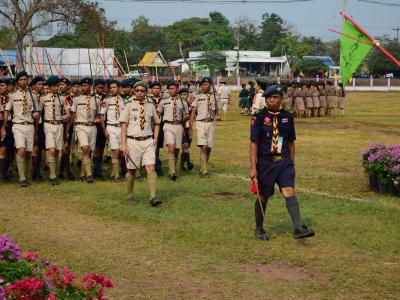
(298, 99)
(341, 97)
(140, 144)
(224, 93)
(21, 104)
(173, 110)
(287, 101)
(205, 119)
(331, 96)
(315, 94)
(86, 108)
(53, 117)
(322, 97)
(113, 107)
(308, 97)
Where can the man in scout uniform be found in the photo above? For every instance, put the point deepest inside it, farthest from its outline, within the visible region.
(111, 111)
(224, 94)
(98, 93)
(84, 111)
(6, 145)
(155, 90)
(137, 142)
(53, 113)
(175, 112)
(205, 111)
(186, 140)
(39, 144)
(11, 85)
(24, 108)
(66, 95)
(272, 153)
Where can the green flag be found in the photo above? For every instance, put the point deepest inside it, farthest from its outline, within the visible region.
(354, 47)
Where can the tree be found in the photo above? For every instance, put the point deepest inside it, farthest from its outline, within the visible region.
(293, 48)
(272, 29)
(24, 17)
(379, 64)
(249, 37)
(310, 67)
(212, 60)
(333, 50)
(318, 47)
(6, 38)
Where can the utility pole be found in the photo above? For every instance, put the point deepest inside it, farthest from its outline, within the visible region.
(397, 33)
(238, 54)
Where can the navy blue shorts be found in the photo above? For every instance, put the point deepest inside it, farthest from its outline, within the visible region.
(100, 138)
(41, 144)
(269, 173)
(9, 139)
(186, 138)
(160, 141)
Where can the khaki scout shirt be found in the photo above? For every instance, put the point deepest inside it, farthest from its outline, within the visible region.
(86, 108)
(3, 103)
(112, 108)
(201, 102)
(131, 115)
(166, 108)
(21, 103)
(224, 92)
(52, 107)
(331, 91)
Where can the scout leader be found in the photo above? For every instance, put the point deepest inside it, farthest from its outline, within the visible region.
(137, 142)
(272, 153)
(175, 112)
(23, 106)
(84, 112)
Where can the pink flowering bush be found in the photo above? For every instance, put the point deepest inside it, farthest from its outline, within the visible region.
(24, 277)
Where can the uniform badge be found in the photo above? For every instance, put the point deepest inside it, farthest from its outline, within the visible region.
(267, 121)
(285, 120)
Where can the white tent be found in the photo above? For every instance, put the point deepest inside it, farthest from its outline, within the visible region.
(75, 62)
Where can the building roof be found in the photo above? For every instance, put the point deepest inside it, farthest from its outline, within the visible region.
(244, 56)
(152, 59)
(327, 60)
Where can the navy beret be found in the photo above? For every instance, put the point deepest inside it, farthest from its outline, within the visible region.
(36, 79)
(3, 80)
(87, 80)
(114, 81)
(52, 80)
(154, 83)
(126, 83)
(65, 80)
(74, 82)
(206, 79)
(172, 82)
(183, 90)
(20, 74)
(98, 81)
(273, 90)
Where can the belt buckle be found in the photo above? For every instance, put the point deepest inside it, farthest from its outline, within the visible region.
(277, 158)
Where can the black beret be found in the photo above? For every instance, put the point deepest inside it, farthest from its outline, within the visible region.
(87, 80)
(36, 79)
(114, 81)
(205, 79)
(74, 82)
(65, 80)
(10, 81)
(172, 82)
(3, 80)
(273, 90)
(126, 83)
(20, 74)
(52, 80)
(98, 81)
(154, 83)
(109, 81)
(134, 80)
(183, 90)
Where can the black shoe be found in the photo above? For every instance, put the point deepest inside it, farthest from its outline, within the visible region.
(173, 177)
(260, 234)
(116, 179)
(83, 178)
(303, 232)
(132, 200)
(89, 179)
(23, 183)
(155, 202)
(54, 181)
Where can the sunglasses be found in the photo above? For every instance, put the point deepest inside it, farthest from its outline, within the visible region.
(140, 91)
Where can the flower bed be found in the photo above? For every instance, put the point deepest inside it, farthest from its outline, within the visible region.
(26, 276)
(382, 164)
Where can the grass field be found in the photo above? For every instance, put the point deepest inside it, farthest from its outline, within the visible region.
(199, 244)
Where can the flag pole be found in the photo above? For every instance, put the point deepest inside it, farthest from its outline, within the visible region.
(374, 41)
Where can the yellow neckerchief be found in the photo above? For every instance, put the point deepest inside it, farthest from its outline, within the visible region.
(275, 131)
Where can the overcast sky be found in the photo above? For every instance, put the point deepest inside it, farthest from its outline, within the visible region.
(309, 18)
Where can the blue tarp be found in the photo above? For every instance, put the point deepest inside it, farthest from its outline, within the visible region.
(9, 55)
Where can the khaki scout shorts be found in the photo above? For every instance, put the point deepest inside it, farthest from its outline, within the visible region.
(309, 102)
(332, 101)
(23, 136)
(86, 136)
(299, 103)
(115, 137)
(322, 101)
(143, 153)
(205, 133)
(224, 104)
(54, 136)
(340, 103)
(173, 135)
(315, 101)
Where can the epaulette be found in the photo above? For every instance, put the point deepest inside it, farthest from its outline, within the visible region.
(258, 111)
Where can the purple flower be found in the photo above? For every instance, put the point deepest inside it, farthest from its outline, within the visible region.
(8, 249)
(2, 294)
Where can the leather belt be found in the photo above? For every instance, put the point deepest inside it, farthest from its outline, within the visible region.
(140, 138)
(114, 125)
(53, 122)
(273, 158)
(85, 123)
(24, 123)
(172, 122)
(207, 120)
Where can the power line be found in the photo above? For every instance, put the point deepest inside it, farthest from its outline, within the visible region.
(380, 3)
